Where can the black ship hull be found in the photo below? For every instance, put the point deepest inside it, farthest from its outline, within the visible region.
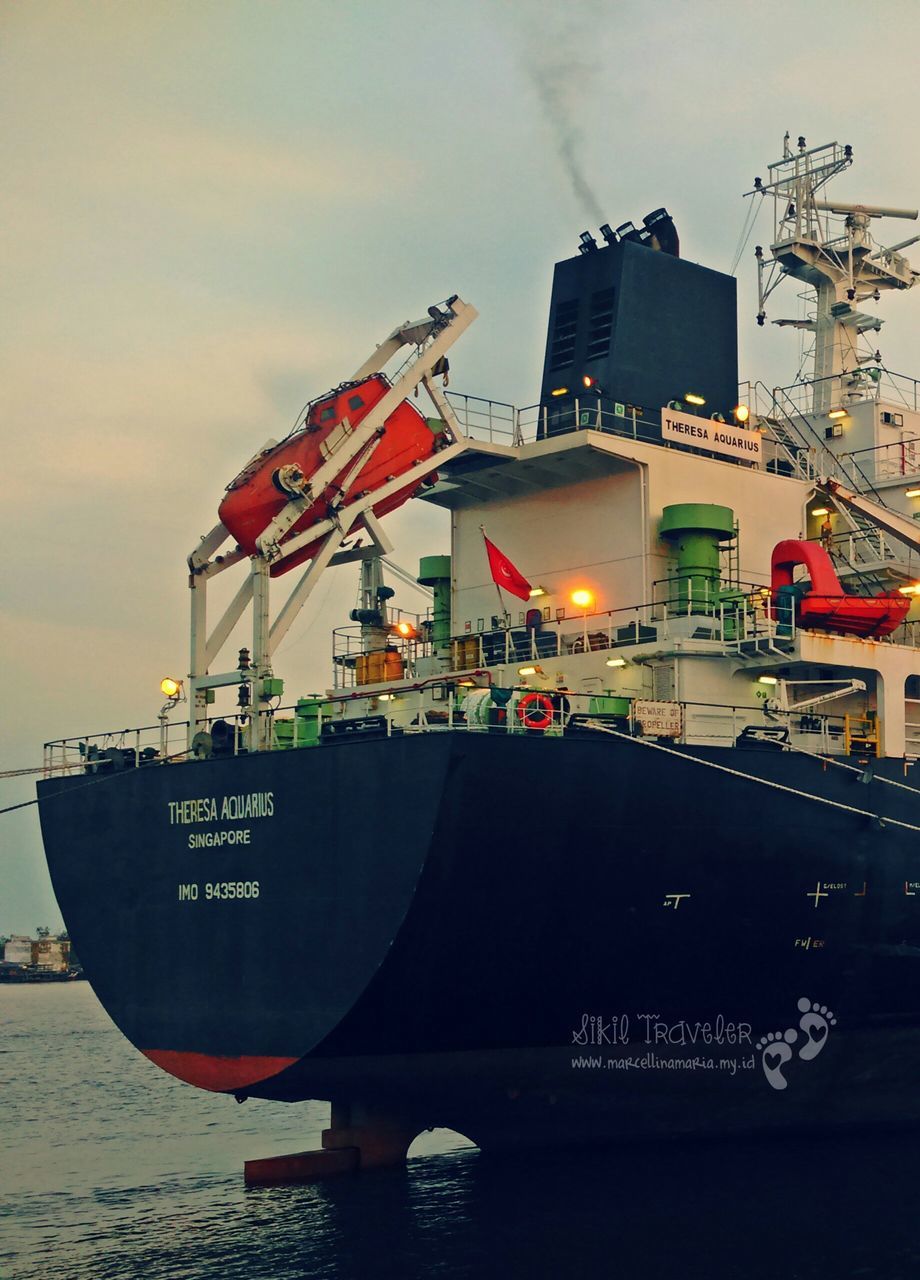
(526, 938)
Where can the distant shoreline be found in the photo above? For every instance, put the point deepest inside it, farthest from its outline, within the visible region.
(38, 976)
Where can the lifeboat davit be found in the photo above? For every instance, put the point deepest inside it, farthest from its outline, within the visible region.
(824, 606)
(256, 496)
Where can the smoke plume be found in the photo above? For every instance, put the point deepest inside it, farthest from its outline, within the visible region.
(566, 137)
(564, 79)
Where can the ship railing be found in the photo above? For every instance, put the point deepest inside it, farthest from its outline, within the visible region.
(491, 420)
(448, 702)
(892, 461)
(587, 413)
(687, 611)
(912, 726)
(907, 635)
(552, 637)
(864, 551)
(117, 749)
(695, 614)
(792, 445)
(870, 382)
(553, 713)
(351, 647)
(500, 423)
(803, 443)
(472, 709)
(711, 724)
(467, 702)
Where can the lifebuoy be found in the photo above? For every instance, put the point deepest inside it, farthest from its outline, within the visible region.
(535, 711)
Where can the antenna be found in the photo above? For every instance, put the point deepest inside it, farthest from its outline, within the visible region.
(839, 260)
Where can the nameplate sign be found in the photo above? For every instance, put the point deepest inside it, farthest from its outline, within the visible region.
(714, 437)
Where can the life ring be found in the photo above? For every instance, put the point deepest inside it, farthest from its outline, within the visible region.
(528, 715)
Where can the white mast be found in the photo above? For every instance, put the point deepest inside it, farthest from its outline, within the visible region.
(827, 244)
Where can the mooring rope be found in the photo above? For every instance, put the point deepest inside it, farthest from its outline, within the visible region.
(86, 782)
(851, 768)
(748, 777)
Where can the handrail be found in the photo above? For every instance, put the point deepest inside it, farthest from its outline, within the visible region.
(887, 378)
(403, 710)
(874, 448)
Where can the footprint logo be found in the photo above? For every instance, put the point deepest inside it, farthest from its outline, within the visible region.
(816, 1021)
(776, 1052)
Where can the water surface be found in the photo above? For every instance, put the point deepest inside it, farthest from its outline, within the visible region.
(111, 1169)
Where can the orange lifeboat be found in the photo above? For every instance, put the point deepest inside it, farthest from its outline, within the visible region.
(824, 606)
(255, 497)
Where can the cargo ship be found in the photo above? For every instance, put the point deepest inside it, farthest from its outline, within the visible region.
(618, 835)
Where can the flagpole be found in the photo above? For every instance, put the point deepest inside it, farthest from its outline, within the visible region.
(505, 615)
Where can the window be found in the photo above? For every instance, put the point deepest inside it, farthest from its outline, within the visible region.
(327, 413)
(355, 402)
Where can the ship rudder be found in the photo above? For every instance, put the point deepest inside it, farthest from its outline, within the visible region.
(359, 1137)
(302, 1166)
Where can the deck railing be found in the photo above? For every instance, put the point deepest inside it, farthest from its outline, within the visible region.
(497, 422)
(699, 614)
(463, 702)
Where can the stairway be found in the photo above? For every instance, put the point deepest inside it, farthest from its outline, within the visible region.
(865, 558)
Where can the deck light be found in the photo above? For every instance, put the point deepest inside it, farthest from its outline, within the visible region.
(530, 671)
(766, 680)
(541, 591)
(406, 630)
(170, 688)
(616, 662)
(584, 599)
(837, 413)
(912, 590)
(912, 493)
(559, 391)
(820, 511)
(741, 413)
(692, 398)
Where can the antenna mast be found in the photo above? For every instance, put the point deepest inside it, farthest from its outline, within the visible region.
(827, 244)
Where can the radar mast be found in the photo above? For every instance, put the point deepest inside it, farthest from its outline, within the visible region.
(828, 245)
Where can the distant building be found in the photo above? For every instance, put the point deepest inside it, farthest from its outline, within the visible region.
(51, 953)
(18, 950)
(47, 954)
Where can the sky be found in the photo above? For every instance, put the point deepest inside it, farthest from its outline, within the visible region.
(212, 212)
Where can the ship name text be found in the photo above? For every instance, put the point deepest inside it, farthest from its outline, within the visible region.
(250, 804)
(712, 436)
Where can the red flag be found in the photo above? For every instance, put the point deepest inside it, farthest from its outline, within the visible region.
(504, 573)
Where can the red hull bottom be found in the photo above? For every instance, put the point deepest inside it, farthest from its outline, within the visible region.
(220, 1074)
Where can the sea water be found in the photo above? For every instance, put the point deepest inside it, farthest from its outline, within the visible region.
(111, 1169)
